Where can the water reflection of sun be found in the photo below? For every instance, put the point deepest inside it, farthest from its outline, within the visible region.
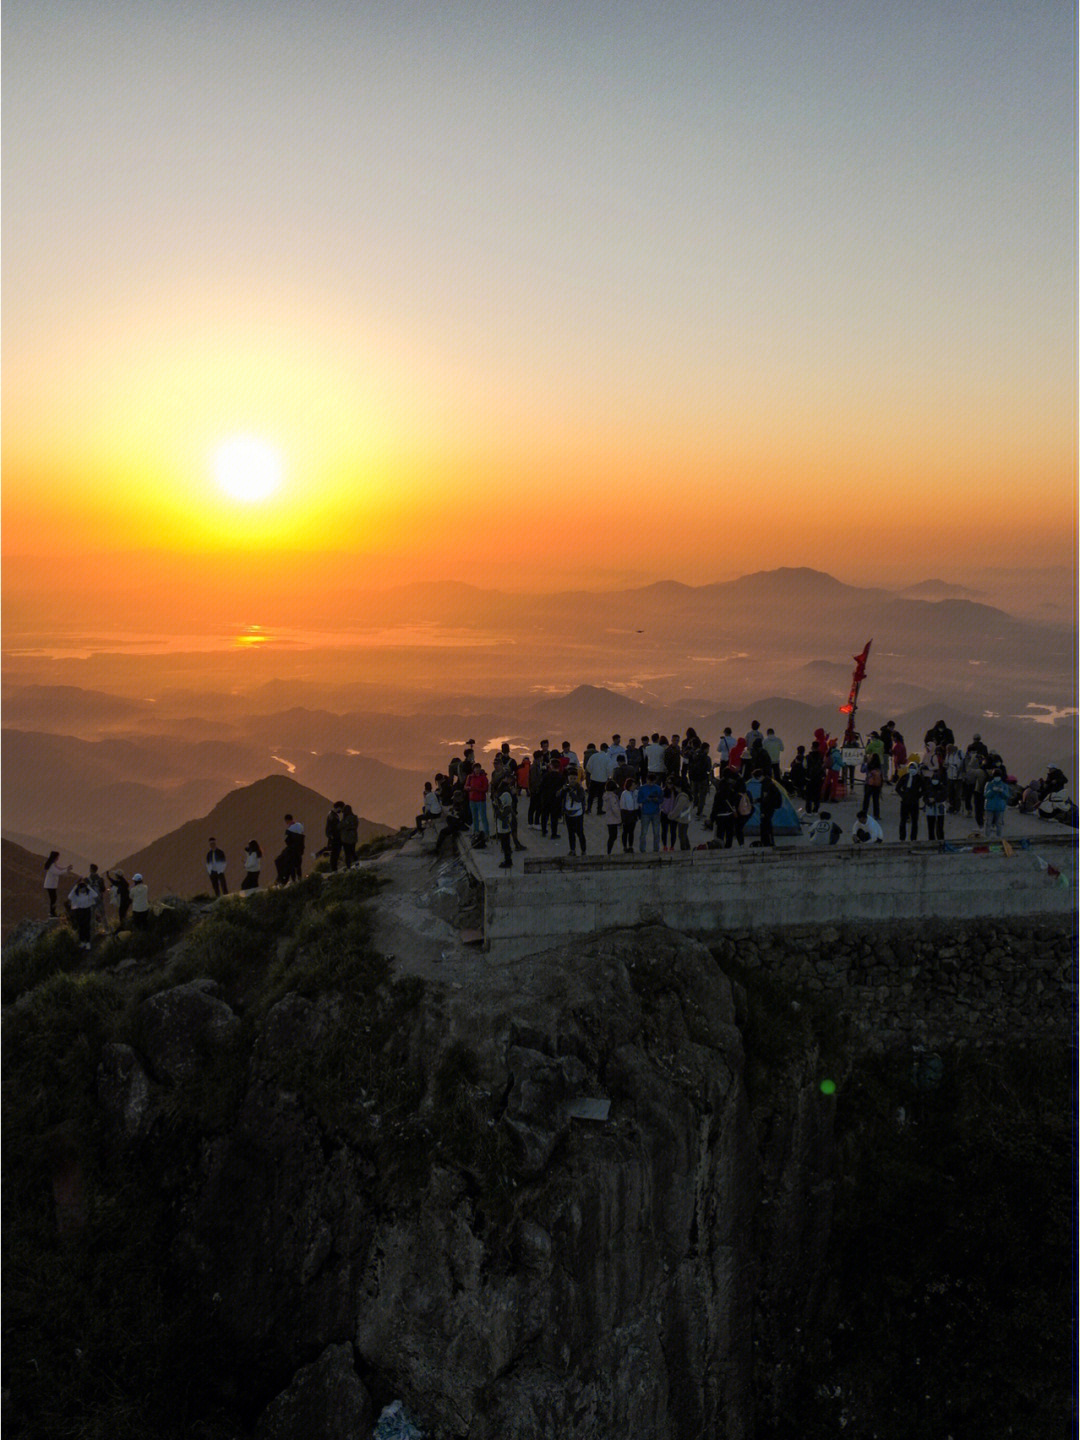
(250, 638)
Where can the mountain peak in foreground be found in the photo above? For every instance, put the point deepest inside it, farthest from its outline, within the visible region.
(174, 864)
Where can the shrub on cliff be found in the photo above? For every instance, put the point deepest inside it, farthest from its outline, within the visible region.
(105, 1336)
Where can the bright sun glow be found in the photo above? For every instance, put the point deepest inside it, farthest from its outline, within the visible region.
(248, 468)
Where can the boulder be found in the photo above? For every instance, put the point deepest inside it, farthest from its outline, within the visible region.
(295, 1022)
(123, 1088)
(536, 1115)
(325, 1400)
(181, 1027)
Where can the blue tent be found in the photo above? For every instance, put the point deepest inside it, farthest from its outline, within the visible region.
(784, 821)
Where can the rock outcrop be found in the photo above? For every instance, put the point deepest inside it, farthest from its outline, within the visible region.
(550, 1273)
(181, 1027)
(325, 1399)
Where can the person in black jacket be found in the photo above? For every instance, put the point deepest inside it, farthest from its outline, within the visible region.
(909, 789)
(215, 868)
(118, 880)
(815, 778)
(333, 832)
(550, 787)
(769, 801)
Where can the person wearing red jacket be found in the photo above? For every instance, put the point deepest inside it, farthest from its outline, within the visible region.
(476, 788)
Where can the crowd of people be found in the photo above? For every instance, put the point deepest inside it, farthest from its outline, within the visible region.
(649, 791)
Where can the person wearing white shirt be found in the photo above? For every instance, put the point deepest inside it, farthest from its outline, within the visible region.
(53, 871)
(252, 866)
(654, 759)
(598, 768)
(774, 748)
(140, 903)
(628, 809)
(866, 830)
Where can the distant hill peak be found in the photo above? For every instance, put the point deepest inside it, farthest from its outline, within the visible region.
(589, 692)
(940, 590)
(787, 578)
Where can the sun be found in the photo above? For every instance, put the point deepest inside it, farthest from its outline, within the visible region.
(248, 468)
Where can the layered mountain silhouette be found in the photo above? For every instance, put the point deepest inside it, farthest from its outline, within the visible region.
(102, 774)
(174, 864)
(103, 797)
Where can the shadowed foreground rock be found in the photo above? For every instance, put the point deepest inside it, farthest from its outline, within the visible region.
(325, 1400)
(543, 1275)
(599, 1191)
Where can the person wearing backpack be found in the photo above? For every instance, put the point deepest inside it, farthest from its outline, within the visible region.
(995, 801)
(699, 773)
(572, 797)
(744, 807)
(503, 805)
(679, 817)
(875, 778)
(349, 829)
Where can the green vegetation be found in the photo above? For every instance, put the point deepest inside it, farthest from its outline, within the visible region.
(55, 953)
(103, 1335)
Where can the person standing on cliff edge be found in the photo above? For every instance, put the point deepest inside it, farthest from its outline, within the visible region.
(215, 868)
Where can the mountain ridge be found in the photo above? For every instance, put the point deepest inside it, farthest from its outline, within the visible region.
(174, 863)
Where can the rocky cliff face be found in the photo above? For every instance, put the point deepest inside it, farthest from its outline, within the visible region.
(530, 1271)
(263, 1189)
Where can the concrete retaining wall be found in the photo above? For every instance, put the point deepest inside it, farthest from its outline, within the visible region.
(707, 893)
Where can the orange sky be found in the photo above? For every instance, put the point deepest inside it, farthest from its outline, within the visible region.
(543, 303)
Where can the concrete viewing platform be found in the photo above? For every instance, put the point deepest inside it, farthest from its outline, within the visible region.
(549, 896)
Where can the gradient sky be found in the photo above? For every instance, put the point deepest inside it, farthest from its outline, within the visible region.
(540, 294)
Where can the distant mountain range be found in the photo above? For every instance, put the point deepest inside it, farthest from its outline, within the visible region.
(101, 797)
(100, 773)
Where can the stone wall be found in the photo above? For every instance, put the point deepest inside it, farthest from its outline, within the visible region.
(972, 983)
(706, 892)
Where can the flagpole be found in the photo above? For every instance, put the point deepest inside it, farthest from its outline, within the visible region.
(858, 676)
